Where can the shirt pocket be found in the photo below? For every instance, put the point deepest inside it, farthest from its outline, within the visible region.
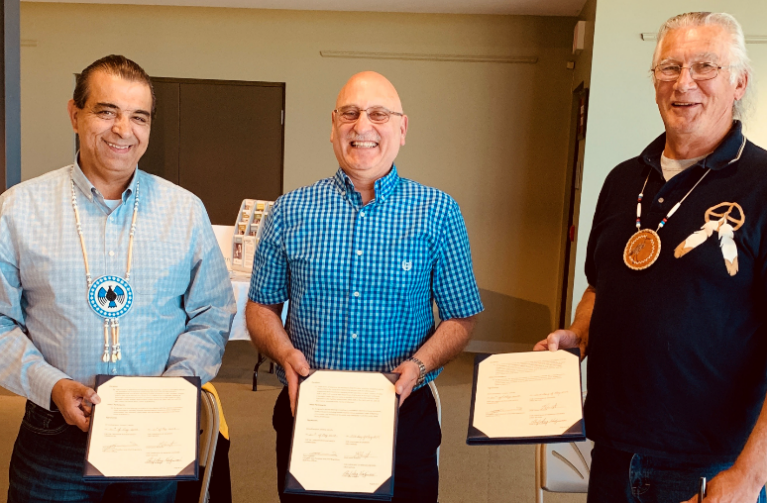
(409, 266)
(160, 272)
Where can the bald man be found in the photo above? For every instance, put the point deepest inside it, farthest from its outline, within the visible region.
(360, 256)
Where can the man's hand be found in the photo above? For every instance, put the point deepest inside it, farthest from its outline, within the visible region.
(74, 402)
(730, 486)
(561, 339)
(408, 375)
(295, 365)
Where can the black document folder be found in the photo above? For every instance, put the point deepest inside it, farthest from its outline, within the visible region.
(571, 433)
(190, 472)
(384, 492)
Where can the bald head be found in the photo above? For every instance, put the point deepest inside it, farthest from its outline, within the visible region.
(365, 149)
(372, 85)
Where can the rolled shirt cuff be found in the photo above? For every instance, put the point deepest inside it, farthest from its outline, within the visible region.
(42, 378)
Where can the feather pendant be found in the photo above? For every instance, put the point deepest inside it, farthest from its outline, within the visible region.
(729, 249)
(695, 239)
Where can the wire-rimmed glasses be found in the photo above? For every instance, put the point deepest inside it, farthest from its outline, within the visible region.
(376, 115)
(703, 70)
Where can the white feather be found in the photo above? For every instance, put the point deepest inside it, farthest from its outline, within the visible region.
(697, 238)
(727, 243)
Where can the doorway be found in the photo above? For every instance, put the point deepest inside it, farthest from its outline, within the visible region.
(578, 115)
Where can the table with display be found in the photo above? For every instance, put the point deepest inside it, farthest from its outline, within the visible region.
(241, 285)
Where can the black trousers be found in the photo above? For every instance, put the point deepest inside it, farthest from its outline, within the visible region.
(416, 476)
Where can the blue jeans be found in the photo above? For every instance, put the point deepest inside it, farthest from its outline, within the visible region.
(47, 465)
(624, 477)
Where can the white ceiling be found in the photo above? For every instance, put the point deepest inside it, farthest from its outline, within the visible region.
(514, 7)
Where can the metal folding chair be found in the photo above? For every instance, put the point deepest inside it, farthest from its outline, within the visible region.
(210, 423)
(433, 386)
(562, 468)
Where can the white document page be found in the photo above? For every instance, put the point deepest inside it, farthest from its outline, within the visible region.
(531, 394)
(344, 432)
(144, 427)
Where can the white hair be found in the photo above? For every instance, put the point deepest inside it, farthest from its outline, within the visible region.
(740, 65)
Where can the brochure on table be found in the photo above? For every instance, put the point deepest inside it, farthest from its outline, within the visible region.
(247, 232)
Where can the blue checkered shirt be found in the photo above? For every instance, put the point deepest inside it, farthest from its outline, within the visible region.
(361, 279)
(183, 301)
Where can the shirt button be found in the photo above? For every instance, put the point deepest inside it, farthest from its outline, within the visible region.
(111, 253)
(356, 294)
(660, 200)
(114, 371)
(362, 214)
(343, 192)
(354, 336)
(359, 252)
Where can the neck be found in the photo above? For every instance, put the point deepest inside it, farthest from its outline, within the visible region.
(690, 145)
(365, 185)
(111, 187)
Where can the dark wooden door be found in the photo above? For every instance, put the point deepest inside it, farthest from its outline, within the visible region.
(221, 140)
(161, 157)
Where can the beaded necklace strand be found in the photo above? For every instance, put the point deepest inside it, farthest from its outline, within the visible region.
(112, 320)
(643, 247)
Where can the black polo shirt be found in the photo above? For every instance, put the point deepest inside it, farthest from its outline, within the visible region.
(678, 352)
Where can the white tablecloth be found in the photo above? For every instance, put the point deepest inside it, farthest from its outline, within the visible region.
(241, 284)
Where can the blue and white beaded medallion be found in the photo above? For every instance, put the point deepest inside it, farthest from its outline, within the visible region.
(110, 296)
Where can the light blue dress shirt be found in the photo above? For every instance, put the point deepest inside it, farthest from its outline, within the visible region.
(183, 305)
(361, 279)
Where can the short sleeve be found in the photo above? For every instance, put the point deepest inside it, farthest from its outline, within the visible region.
(591, 266)
(269, 282)
(455, 288)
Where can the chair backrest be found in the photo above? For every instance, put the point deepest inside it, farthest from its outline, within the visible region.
(433, 386)
(210, 423)
(562, 468)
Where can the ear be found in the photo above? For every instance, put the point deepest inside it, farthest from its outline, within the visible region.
(741, 86)
(332, 126)
(73, 111)
(403, 130)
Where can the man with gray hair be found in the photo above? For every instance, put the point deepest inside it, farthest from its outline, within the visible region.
(677, 335)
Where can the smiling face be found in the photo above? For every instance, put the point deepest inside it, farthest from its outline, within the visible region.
(366, 151)
(113, 127)
(697, 109)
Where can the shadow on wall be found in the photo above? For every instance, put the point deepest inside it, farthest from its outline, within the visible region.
(509, 324)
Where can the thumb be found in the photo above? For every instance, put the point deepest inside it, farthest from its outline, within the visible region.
(301, 365)
(87, 393)
(553, 342)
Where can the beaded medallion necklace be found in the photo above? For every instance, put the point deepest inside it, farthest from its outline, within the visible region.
(110, 297)
(643, 247)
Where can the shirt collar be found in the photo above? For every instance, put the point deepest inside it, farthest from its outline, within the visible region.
(384, 186)
(91, 192)
(725, 154)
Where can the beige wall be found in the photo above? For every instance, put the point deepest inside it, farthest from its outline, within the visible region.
(492, 135)
(623, 117)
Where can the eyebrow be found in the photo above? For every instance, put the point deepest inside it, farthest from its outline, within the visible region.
(115, 107)
(705, 56)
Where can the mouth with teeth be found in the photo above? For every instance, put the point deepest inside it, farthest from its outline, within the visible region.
(683, 104)
(363, 144)
(119, 148)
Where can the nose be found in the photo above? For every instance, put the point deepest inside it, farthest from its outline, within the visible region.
(363, 123)
(121, 126)
(685, 80)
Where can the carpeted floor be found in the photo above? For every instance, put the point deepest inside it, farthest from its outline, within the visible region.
(485, 474)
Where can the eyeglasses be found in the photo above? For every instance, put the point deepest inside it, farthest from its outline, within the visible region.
(376, 115)
(668, 72)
